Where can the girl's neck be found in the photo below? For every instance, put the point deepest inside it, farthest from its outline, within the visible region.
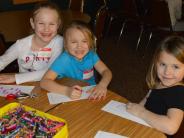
(37, 44)
(161, 86)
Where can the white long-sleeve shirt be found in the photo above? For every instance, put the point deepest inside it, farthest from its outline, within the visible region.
(32, 64)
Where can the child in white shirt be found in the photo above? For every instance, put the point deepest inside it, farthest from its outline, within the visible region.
(36, 52)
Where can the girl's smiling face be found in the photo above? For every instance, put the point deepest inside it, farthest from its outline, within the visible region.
(76, 43)
(45, 24)
(170, 71)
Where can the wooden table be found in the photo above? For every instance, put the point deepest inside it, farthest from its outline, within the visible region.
(85, 118)
(15, 24)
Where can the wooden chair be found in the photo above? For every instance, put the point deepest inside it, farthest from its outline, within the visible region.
(2, 44)
(62, 4)
(158, 20)
(100, 23)
(128, 13)
(91, 7)
(12, 67)
(76, 5)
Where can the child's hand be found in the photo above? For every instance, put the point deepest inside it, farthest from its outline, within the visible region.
(98, 92)
(7, 78)
(135, 109)
(75, 92)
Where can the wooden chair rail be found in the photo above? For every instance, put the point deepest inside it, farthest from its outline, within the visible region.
(26, 1)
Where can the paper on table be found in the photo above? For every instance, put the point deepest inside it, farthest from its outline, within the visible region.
(13, 89)
(55, 98)
(103, 134)
(119, 109)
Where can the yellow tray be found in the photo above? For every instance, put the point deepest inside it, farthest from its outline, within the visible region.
(63, 133)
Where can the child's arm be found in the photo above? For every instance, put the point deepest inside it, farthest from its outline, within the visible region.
(49, 84)
(143, 101)
(7, 78)
(105, 73)
(22, 77)
(101, 88)
(168, 124)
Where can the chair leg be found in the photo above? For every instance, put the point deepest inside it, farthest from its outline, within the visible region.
(109, 24)
(122, 30)
(148, 43)
(140, 36)
(150, 36)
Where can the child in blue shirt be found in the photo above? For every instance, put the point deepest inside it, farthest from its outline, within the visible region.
(78, 62)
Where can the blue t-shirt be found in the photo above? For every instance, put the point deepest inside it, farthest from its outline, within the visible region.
(67, 65)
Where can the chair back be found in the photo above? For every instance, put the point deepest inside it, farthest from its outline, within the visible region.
(133, 8)
(113, 4)
(130, 8)
(62, 4)
(76, 5)
(2, 44)
(100, 22)
(158, 15)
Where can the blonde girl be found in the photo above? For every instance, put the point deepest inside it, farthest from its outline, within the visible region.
(163, 106)
(79, 61)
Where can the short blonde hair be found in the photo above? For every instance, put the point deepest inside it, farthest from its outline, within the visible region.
(173, 45)
(85, 29)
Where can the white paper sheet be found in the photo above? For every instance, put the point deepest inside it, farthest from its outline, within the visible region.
(55, 98)
(118, 108)
(103, 134)
(13, 89)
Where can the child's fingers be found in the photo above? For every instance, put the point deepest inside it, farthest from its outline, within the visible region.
(7, 78)
(97, 96)
(90, 90)
(102, 96)
(76, 95)
(2, 77)
(128, 105)
(94, 95)
(77, 88)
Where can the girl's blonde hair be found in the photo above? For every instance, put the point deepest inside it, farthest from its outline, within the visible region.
(85, 29)
(173, 45)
